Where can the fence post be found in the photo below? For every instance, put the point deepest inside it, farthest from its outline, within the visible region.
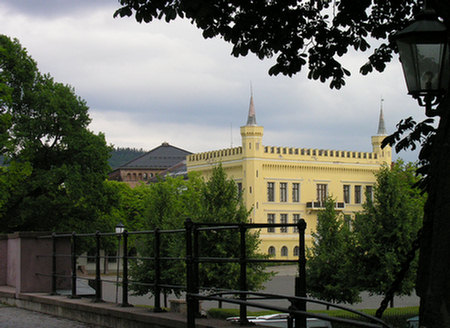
(188, 224)
(195, 270)
(53, 264)
(74, 266)
(125, 271)
(98, 281)
(157, 291)
(300, 281)
(243, 275)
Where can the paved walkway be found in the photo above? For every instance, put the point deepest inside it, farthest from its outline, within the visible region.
(12, 317)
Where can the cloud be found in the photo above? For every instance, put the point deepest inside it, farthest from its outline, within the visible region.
(149, 83)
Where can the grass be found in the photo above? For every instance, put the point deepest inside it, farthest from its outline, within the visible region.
(396, 317)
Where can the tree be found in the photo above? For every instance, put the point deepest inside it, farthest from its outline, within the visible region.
(317, 33)
(386, 230)
(168, 204)
(328, 269)
(221, 202)
(55, 166)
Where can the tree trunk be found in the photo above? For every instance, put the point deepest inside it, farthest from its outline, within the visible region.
(433, 279)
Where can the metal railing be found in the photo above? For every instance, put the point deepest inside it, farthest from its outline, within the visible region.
(192, 259)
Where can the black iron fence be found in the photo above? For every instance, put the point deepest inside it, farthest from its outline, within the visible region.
(192, 260)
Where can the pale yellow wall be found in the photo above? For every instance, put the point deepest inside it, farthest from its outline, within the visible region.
(254, 165)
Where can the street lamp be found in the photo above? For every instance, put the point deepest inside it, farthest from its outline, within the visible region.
(424, 53)
(119, 230)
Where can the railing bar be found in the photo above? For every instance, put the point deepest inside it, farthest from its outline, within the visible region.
(218, 228)
(281, 309)
(56, 236)
(153, 284)
(216, 260)
(290, 298)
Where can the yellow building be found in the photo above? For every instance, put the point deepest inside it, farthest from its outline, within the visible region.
(282, 184)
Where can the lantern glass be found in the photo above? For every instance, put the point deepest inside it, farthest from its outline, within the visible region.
(423, 64)
(424, 53)
(120, 227)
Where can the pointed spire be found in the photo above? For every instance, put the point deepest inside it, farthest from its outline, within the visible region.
(251, 120)
(381, 126)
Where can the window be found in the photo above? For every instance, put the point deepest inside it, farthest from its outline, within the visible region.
(283, 192)
(270, 191)
(296, 251)
(369, 193)
(295, 192)
(296, 218)
(271, 220)
(272, 251)
(357, 194)
(347, 194)
(283, 220)
(284, 251)
(321, 192)
(239, 187)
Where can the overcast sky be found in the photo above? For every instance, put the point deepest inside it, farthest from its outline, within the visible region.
(150, 83)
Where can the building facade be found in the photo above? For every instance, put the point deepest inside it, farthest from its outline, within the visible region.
(284, 184)
(145, 167)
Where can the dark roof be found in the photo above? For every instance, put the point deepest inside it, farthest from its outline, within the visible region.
(179, 169)
(161, 157)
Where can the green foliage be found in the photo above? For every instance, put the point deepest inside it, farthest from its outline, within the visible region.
(385, 230)
(55, 166)
(222, 203)
(395, 317)
(368, 258)
(120, 156)
(328, 266)
(168, 204)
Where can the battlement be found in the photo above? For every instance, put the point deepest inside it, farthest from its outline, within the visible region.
(215, 155)
(320, 154)
(288, 153)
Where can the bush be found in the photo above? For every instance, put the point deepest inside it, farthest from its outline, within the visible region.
(395, 317)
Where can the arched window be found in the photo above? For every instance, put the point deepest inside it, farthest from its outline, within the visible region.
(284, 251)
(296, 251)
(272, 251)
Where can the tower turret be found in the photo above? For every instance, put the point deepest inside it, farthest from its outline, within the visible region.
(384, 154)
(251, 133)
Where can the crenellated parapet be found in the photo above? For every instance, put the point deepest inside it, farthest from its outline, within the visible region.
(311, 154)
(221, 155)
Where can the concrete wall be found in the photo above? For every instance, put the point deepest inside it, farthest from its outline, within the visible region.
(26, 262)
(3, 257)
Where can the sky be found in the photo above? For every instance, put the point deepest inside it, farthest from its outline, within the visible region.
(146, 84)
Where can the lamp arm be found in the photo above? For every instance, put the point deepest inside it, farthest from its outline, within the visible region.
(428, 102)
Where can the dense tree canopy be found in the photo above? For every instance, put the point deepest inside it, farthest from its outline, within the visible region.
(55, 166)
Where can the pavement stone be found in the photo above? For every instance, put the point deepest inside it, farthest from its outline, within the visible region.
(13, 317)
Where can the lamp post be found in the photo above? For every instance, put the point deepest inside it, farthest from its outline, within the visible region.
(424, 53)
(119, 230)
